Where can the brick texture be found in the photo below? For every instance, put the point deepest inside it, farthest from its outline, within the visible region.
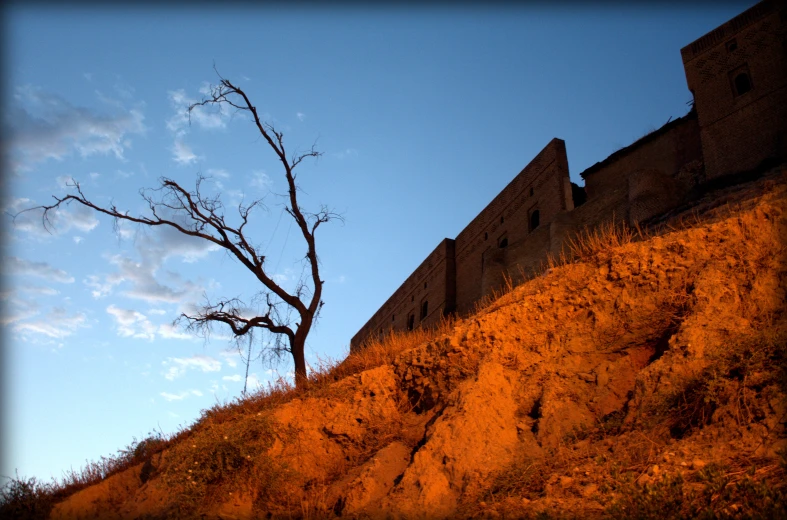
(726, 132)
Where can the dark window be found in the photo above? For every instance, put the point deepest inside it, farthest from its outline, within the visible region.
(742, 83)
(412, 298)
(424, 309)
(425, 285)
(411, 322)
(534, 220)
(732, 45)
(393, 317)
(740, 80)
(486, 235)
(531, 192)
(501, 220)
(502, 242)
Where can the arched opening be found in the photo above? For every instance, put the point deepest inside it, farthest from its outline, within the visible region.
(502, 243)
(411, 322)
(424, 309)
(535, 220)
(742, 83)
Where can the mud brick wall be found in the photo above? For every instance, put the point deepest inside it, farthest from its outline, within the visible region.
(727, 131)
(507, 218)
(740, 130)
(433, 282)
(667, 150)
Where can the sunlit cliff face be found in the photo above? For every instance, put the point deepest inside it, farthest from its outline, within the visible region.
(639, 376)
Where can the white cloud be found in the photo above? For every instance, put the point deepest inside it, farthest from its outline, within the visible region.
(17, 308)
(182, 153)
(260, 179)
(218, 172)
(77, 239)
(300, 115)
(45, 126)
(180, 396)
(206, 117)
(95, 175)
(56, 324)
(346, 153)
(60, 220)
(131, 323)
(170, 331)
(234, 377)
(14, 266)
(197, 362)
(155, 248)
(230, 357)
(253, 383)
(159, 312)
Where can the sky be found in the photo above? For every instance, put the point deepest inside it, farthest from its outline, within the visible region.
(423, 115)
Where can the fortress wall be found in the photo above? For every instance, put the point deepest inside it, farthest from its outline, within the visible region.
(740, 128)
(432, 281)
(666, 149)
(508, 217)
(731, 129)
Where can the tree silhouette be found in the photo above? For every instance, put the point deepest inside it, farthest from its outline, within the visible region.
(195, 214)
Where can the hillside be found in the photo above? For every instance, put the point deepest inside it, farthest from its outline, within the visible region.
(644, 378)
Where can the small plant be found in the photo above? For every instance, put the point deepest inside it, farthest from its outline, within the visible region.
(26, 499)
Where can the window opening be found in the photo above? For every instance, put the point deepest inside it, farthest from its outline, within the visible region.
(424, 309)
(425, 285)
(531, 192)
(486, 235)
(732, 45)
(502, 242)
(742, 83)
(534, 220)
(501, 220)
(411, 322)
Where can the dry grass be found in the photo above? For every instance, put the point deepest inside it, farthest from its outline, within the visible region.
(31, 498)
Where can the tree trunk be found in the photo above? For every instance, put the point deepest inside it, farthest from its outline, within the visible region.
(298, 346)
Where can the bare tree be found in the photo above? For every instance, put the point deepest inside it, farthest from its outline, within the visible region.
(198, 215)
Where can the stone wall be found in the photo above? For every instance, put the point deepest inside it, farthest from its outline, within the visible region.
(543, 186)
(734, 126)
(433, 282)
(738, 75)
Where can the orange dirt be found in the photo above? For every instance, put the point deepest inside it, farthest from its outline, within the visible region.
(649, 362)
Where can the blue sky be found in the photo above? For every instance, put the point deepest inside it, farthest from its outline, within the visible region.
(423, 115)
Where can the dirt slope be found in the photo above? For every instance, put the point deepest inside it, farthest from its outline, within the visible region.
(644, 379)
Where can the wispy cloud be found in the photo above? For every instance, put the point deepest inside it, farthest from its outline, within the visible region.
(209, 117)
(44, 126)
(60, 220)
(230, 357)
(234, 377)
(14, 266)
(260, 179)
(181, 395)
(154, 249)
(300, 115)
(182, 153)
(58, 323)
(131, 323)
(176, 367)
(346, 153)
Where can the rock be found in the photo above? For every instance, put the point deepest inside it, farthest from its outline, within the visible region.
(566, 482)
(585, 376)
(589, 490)
(698, 464)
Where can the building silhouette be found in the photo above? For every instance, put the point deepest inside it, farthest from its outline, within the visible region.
(736, 128)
